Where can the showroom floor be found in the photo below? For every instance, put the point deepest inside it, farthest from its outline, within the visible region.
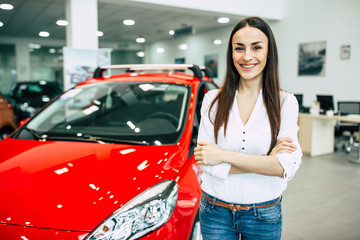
(322, 201)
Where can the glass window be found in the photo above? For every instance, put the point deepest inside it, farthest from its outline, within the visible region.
(46, 63)
(147, 112)
(8, 67)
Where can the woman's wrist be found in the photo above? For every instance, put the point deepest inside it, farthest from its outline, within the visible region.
(225, 156)
(229, 156)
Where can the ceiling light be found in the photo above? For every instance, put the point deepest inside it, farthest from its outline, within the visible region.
(52, 50)
(129, 22)
(183, 46)
(62, 22)
(6, 6)
(160, 50)
(140, 40)
(34, 46)
(140, 54)
(223, 20)
(217, 42)
(171, 32)
(99, 33)
(1, 24)
(44, 34)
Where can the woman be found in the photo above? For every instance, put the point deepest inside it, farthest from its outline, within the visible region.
(247, 143)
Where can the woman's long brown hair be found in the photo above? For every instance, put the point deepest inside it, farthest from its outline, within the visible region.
(270, 83)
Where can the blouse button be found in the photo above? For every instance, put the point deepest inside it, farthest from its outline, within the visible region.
(243, 140)
(244, 132)
(243, 148)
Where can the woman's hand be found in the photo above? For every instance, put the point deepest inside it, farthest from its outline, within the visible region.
(283, 145)
(208, 154)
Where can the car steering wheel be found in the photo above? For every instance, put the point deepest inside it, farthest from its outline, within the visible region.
(174, 120)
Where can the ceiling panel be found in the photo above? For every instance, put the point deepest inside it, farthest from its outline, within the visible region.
(29, 17)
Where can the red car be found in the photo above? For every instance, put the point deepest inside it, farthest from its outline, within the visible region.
(110, 159)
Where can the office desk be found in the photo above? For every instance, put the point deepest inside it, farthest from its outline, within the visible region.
(317, 133)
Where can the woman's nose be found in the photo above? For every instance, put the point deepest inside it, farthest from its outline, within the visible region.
(247, 55)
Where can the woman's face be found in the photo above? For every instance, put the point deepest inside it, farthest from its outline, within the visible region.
(249, 53)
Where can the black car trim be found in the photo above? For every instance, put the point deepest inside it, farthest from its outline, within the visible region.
(99, 72)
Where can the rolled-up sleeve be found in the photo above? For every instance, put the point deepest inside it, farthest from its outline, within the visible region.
(206, 134)
(289, 128)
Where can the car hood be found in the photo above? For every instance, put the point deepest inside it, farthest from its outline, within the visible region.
(76, 185)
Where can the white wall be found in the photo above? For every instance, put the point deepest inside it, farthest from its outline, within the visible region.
(199, 46)
(333, 21)
(304, 21)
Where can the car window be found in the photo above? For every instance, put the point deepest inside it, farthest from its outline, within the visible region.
(146, 111)
(203, 89)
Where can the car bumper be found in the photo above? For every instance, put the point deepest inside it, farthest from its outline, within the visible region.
(175, 230)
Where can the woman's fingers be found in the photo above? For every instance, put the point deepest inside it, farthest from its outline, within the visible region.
(207, 154)
(285, 142)
(283, 145)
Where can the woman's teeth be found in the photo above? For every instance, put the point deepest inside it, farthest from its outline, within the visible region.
(248, 66)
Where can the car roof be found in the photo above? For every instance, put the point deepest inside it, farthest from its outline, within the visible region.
(143, 73)
(177, 78)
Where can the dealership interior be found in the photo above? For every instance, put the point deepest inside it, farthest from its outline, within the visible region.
(319, 51)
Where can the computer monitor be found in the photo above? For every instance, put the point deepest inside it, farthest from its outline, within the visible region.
(326, 102)
(299, 98)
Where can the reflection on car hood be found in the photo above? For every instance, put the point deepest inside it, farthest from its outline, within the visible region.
(75, 186)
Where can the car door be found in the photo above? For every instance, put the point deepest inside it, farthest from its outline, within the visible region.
(202, 90)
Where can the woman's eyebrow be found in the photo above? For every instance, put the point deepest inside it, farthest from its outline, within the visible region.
(254, 43)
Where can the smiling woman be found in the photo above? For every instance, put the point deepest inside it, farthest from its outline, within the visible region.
(250, 48)
(247, 141)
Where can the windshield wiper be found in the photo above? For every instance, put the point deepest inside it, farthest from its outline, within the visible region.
(36, 134)
(113, 140)
(89, 138)
(86, 138)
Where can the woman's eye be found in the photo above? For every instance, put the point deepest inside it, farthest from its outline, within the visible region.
(239, 49)
(257, 48)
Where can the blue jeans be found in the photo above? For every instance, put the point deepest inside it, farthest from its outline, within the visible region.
(220, 223)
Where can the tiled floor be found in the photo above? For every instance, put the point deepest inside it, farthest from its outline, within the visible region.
(322, 201)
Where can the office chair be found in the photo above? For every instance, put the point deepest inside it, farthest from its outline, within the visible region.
(345, 128)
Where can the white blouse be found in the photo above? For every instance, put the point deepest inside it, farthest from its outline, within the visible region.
(254, 138)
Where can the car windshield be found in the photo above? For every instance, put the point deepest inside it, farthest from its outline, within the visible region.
(137, 112)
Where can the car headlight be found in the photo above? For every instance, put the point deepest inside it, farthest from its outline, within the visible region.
(143, 214)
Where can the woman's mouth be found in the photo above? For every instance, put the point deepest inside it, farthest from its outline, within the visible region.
(248, 66)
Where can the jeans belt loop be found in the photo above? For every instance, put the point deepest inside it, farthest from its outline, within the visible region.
(213, 203)
(255, 210)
